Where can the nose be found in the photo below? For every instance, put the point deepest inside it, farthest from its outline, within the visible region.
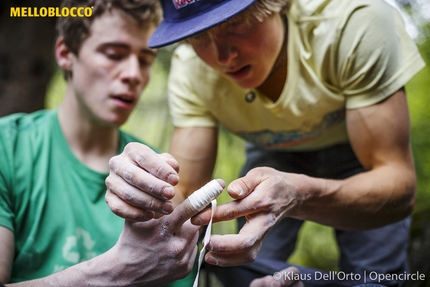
(131, 72)
(225, 51)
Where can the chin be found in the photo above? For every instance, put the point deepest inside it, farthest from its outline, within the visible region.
(250, 84)
(114, 122)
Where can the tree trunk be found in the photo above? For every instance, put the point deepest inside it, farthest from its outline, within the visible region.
(26, 57)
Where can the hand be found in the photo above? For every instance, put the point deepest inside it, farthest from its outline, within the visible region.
(152, 253)
(285, 278)
(157, 252)
(141, 183)
(263, 196)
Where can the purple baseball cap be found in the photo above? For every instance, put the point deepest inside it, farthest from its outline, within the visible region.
(185, 18)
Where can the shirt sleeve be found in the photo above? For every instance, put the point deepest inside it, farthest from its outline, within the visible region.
(6, 178)
(186, 103)
(376, 55)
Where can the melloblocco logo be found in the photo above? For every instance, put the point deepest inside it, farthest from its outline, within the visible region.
(51, 12)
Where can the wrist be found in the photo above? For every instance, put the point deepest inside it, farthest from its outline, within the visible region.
(312, 194)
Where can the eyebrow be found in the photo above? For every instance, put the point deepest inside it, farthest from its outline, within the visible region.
(148, 51)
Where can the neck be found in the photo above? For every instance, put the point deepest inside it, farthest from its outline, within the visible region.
(92, 143)
(273, 85)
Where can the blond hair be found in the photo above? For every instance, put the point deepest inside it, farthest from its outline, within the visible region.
(264, 8)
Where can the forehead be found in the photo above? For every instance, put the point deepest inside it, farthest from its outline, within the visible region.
(113, 26)
(243, 18)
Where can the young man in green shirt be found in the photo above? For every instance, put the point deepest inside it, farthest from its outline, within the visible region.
(55, 227)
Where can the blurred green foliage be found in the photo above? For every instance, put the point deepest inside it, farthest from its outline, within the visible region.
(316, 246)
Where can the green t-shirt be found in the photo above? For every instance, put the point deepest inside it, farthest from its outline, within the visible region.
(53, 203)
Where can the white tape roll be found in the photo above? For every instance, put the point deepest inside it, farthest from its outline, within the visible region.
(203, 196)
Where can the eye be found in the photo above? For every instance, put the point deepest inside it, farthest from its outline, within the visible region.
(115, 54)
(239, 26)
(200, 40)
(236, 23)
(146, 59)
(145, 62)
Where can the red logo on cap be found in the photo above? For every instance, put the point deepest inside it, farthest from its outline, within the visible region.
(182, 3)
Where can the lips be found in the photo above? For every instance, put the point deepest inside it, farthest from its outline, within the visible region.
(239, 74)
(124, 100)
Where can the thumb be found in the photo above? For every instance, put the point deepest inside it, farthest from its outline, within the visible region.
(196, 202)
(242, 187)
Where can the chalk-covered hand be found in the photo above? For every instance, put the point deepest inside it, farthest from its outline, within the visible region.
(263, 196)
(141, 182)
(151, 253)
(158, 251)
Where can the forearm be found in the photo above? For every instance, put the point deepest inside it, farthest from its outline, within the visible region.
(195, 150)
(89, 273)
(371, 199)
(367, 200)
(116, 267)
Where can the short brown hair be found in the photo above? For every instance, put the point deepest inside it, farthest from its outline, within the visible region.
(75, 30)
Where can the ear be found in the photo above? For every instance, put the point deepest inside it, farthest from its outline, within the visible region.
(63, 55)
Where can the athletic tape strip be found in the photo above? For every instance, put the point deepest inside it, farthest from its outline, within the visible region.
(204, 243)
(199, 200)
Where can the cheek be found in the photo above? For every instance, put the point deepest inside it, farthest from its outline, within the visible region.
(267, 46)
(91, 83)
(146, 76)
(86, 72)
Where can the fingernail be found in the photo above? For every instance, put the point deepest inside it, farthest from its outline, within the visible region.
(237, 189)
(167, 207)
(209, 259)
(173, 179)
(168, 193)
(196, 221)
(149, 215)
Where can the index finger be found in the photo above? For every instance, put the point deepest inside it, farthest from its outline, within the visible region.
(228, 211)
(196, 202)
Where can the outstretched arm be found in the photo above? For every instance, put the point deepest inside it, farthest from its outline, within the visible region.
(385, 193)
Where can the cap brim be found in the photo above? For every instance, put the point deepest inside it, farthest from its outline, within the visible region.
(171, 32)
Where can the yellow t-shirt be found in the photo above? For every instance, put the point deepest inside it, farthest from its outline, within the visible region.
(341, 55)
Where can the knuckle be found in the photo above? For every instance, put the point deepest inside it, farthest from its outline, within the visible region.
(128, 176)
(113, 163)
(137, 216)
(130, 147)
(152, 204)
(140, 157)
(115, 208)
(108, 182)
(161, 170)
(231, 214)
(127, 196)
